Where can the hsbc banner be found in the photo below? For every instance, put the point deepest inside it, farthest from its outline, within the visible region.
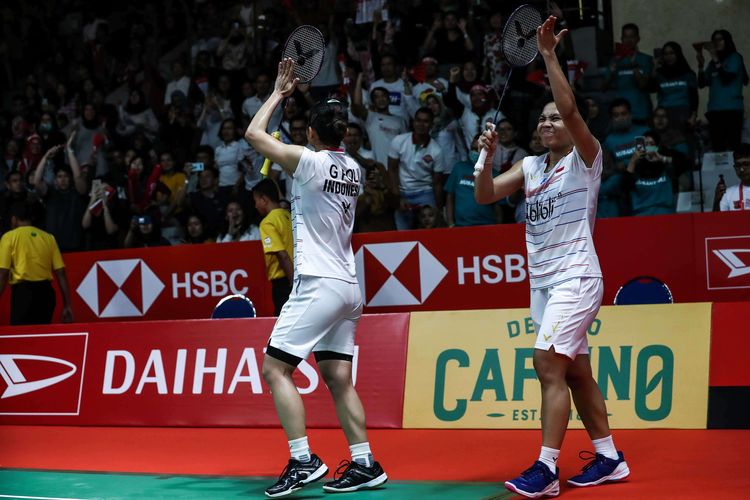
(183, 373)
(485, 267)
(177, 282)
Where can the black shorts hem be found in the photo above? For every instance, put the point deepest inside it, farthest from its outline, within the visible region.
(328, 355)
(287, 358)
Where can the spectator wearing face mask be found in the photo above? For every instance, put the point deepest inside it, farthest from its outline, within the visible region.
(651, 177)
(620, 141)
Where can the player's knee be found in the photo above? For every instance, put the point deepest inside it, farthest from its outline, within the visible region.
(272, 372)
(337, 384)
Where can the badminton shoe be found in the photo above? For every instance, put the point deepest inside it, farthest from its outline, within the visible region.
(296, 475)
(353, 476)
(535, 482)
(600, 469)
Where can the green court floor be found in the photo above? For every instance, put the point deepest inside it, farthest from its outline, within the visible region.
(43, 485)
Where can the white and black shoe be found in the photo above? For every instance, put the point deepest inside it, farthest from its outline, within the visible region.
(353, 476)
(296, 475)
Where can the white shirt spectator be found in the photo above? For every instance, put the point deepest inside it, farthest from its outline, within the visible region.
(396, 96)
(251, 105)
(735, 198)
(382, 129)
(417, 163)
(252, 234)
(227, 158)
(209, 44)
(183, 85)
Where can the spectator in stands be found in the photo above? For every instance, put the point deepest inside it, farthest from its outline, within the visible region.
(474, 109)
(204, 42)
(15, 191)
(737, 196)
(170, 177)
(446, 131)
(164, 209)
(91, 136)
(251, 105)
(144, 232)
(28, 259)
(676, 86)
(394, 86)
(228, 155)
(429, 217)
(32, 153)
(610, 202)
(432, 81)
(536, 147)
(180, 82)
(177, 131)
(724, 75)
(462, 208)
(63, 200)
(620, 142)
(496, 68)
(381, 124)
(235, 49)
(141, 183)
(448, 39)
(376, 204)
(597, 121)
(136, 115)
(12, 156)
(651, 178)
(216, 109)
(415, 165)
(278, 241)
(629, 73)
(48, 131)
(298, 136)
(508, 152)
(208, 202)
(237, 227)
(196, 231)
(100, 219)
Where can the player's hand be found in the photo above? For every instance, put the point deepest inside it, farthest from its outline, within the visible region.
(286, 82)
(721, 188)
(454, 74)
(488, 140)
(546, 38)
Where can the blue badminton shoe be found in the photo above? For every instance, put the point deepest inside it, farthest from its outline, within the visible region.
(600, 469)
(536, 481)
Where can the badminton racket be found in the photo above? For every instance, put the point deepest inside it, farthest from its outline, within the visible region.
(518, 45)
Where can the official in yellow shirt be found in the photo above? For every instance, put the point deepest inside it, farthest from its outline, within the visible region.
(277, 239)
(28, 259)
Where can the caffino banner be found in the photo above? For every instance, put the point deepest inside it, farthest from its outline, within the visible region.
(474, 369)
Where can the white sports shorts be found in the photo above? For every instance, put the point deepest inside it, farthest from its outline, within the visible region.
(563, 314)
(320, 315)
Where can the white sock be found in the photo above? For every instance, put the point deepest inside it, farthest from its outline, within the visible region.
(606, 447)
(361, 454)
(548, 457)
(300, 449)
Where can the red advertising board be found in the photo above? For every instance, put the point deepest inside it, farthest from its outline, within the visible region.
(182, 373)
(728, 357)
(701, 258)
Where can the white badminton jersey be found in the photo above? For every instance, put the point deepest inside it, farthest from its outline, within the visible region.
(324, 199)
(560, 215)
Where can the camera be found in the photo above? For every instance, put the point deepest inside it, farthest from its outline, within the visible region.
(198, 166)
(640, 143)
(142, 219)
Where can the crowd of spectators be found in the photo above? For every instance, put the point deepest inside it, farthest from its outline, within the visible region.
(126, 121)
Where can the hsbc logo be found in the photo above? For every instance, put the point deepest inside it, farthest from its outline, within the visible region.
(728, 262)
(42, 374)
(120, 288)
(398, 274)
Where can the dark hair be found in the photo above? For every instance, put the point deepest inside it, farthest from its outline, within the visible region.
(681, 66)
(379, 89)
(730, 47)
(742, 151)
(27, 211)
(328, 118)
(11, 174)
(354, 126)
(425, 110)
(268, 188)
(631, 26)
(654, 135)
(620, 101)
(224, 122)
(205, 148)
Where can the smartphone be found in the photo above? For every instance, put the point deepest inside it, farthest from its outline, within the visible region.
(236, 25)
(198, 166)
(143, 220)
(640, 143)
(96, 185)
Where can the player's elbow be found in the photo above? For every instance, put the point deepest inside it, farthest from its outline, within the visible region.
(253, 136)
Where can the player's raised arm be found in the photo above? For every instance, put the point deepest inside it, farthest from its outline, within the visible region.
(584, 141)
(286, 155)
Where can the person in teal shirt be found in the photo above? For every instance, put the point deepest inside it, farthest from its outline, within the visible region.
(620, 141)
(676, 86)
(724, 75)
(462, 208)
(651, 178)
(629, 73)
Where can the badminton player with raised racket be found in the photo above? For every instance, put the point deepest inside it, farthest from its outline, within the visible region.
(325, 305)
(561, 190)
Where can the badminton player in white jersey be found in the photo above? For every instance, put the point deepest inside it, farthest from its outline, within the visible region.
(566, 281)
(322, 312)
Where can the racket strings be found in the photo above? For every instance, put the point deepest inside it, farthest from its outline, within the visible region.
(306, 46)
(519, 36)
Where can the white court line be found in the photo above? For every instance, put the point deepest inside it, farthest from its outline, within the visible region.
(39, 498)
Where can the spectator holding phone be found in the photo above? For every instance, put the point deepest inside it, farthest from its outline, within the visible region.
(144, 232)
(724, 75)
(629, 73)
(196, 231)
(676, 86)
(28, 259)
(620, 141)
(101, 216)
(170, 177)
(736, 197)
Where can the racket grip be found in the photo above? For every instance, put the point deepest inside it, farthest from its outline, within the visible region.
(267, 162)
(479, 166)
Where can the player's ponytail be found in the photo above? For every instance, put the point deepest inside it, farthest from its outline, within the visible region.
(329, 119)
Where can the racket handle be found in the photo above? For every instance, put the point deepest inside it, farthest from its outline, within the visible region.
(267, 162)
(479, 166)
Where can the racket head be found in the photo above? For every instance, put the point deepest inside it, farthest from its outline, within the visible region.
(306, 46)
(519, 44)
